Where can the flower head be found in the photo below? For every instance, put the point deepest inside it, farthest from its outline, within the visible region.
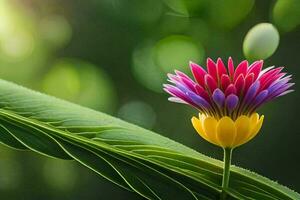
(226, 96)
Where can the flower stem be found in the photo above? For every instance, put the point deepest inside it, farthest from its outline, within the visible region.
(226, 171)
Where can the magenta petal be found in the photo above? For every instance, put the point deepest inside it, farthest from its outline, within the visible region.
(199, 89)
(230, 90)
(174, 91)
(223, 90)
(181, 74)
(212, 68)
(249, 80)
(202, 92)
(270, 81)
(198, 73)
(255, 68)
(221, 69)
(241, 69)
(266, 76)
(239, 84)
(210, 82)
(189, 83)
(225, 81)
(230, 68)
(265, 71)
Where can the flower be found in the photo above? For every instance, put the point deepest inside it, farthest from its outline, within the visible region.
(228, 97)
(226, 132)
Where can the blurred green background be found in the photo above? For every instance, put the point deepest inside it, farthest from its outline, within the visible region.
(113, 56)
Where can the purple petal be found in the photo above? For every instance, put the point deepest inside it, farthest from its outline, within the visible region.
(260, 97)
(198, 100)
(286, 92)
(174, 91)
(182, 87)
(277, 84)
(189, 83)
(231, 101)
(281, 90)
(252, 91)
(218, 97)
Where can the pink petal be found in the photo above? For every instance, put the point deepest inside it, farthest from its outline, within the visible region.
(210, 82)
(225, 81)
(240, 84)
(221, 69)
(230, 90)
(269, 81)
(198, 73)
(189, 83)
(230, 68)
(249, 80)
(265, 71)
(241, 69)
(202, 92)
(269, 77)
(255, 68)
(174, 91)
(212, 68)
(181, 74)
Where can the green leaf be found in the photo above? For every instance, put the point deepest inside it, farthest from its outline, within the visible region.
(135, 159)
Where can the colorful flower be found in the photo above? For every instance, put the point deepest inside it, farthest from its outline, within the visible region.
(228, 97)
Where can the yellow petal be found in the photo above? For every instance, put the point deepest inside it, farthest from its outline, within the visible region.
(254, 119)
(257, 127)
(243, 128)
(226, 132)
(209, 125)
(202, 117)
(197, 125)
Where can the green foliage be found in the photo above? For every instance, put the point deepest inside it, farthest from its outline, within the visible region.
(136, 159)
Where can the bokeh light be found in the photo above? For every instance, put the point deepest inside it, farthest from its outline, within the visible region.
(18, 45)
(261, 41)
(175, 52)
(227, 14)
(16, 32)
(56, 30)
(144, 68)
(113, 56)
(139, 113)
(80, 82)
(286, 14)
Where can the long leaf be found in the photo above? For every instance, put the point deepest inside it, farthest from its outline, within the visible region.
(136, 159)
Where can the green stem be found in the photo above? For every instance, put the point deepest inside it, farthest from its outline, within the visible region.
(226, 171)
